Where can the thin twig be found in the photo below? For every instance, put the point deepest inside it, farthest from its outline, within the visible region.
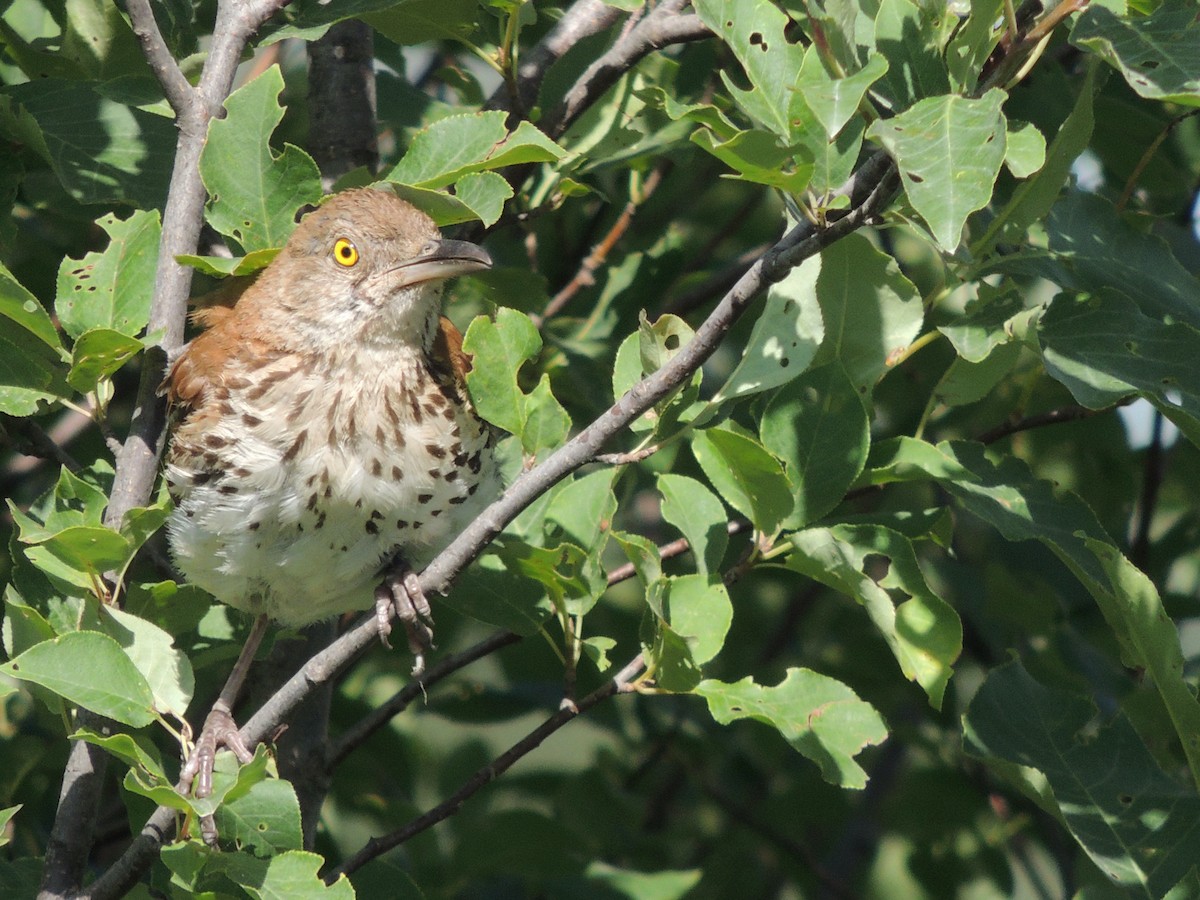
(176, 88)
(27, 438)
(1136, 174)
(497, 767)
(356, 735)
(1152, 479)
(1072, 413)
(583, 19)
(586, 275)
(665, 26)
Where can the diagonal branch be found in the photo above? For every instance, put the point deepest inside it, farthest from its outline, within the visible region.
(869, 192)
(497, 767)
(664, 26)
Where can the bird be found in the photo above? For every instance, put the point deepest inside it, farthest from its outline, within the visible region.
(324, 441)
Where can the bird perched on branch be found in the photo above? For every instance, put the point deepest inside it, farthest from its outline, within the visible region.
(325, 440)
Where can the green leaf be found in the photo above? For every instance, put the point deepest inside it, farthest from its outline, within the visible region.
(485, 193)
(489, 592)
(5, 816)
(135, 750)
(498, 349)
(1158, 55)
(91, 670)
(923, 631)
(949, 151)
(32, 371)
(749, 478)
(1082, 230)
(757, 157)
(1033, 198)
(22, 309)
(97, 355)
(820, 717)
(420, 21)
(546, 422)
(755, 34)
(818, 426)
(167, 671)
(254, 193)
(1024, 149)
(907, 34)
(113, 289)
(969, 382)
(973, 43)
(785, 337)
(222, 266)
(1021, 507)
(871, 311)
(101, 150)
(834, 101)
(266, 819)
(986, 323)
(1103, 349)
(669, 884)
(583, 510)
(697, 608)
(449, 148)
(80, 554)
(700, 517)
(1138, 825)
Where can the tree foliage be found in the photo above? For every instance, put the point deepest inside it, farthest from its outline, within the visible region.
(841, 350)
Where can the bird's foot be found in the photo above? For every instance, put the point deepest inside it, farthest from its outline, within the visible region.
(401, 592)
(219, 731)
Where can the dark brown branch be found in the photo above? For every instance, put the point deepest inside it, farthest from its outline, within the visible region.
(501, 764)
(398, 702)
(665, 25)
(341, 101)
(1152, 478)
(26, 437)
(1071, 413)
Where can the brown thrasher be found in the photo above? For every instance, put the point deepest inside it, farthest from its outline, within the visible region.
(325, 439)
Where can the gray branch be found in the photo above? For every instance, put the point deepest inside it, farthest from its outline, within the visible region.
(665, 25)
(137, 463)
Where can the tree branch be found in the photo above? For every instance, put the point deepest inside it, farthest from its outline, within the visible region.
(869, 191)
(583, 19)
(176, 88)
(501, 764)
(355, 736)
(664, 26)
(137, 464)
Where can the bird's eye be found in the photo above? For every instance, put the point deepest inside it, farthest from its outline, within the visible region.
(345, 252)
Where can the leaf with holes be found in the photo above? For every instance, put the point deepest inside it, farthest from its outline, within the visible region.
(949, 151)
(255, 194)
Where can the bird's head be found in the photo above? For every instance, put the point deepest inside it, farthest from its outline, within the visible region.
(368, 267)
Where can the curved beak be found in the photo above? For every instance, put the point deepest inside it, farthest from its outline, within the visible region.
(441, 259)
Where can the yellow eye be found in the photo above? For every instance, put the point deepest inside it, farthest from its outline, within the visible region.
(345, 252)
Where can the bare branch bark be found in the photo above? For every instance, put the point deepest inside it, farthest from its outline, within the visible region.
(583, 19)
(501, 764)
(664, 26)
(137, 464)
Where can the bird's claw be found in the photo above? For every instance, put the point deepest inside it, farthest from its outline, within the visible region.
(196, 777)
(400, 593)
